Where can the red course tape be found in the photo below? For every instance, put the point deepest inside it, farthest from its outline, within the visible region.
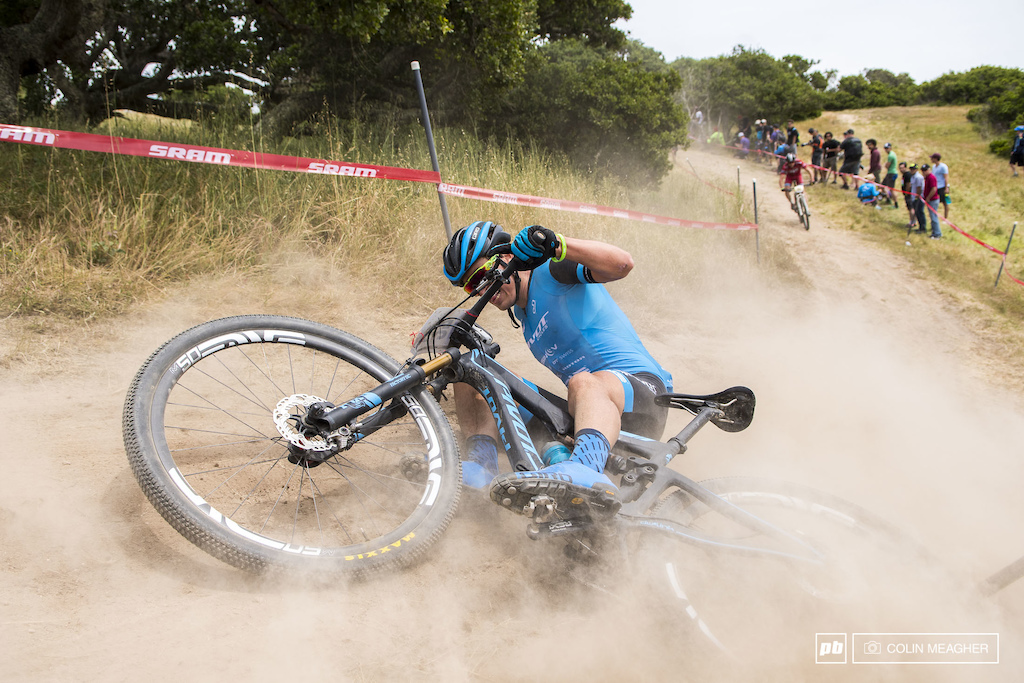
(230, 157)
(206, 155)
(563, 205)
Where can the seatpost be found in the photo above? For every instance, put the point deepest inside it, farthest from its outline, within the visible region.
(702, 418)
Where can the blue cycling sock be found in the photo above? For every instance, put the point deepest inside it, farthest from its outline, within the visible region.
(591, 449)
(484, 451)
(481, 463)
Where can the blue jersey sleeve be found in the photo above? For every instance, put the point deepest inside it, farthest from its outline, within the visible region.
(574, 327)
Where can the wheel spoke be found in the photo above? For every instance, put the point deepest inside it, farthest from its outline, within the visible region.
(253, 492)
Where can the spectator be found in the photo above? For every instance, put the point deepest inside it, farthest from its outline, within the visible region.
(762, 135)
(931, 198)
(908, 175)
(852, 153)
(917, 196)
(875, 159)
(698, 121)
(868, 192)
(792, 136)
(716, 138)
(1017, 151)
(830, 147)
(815, 144)
(781, 151)
(744, 143)
(941, 173)
(892, 170)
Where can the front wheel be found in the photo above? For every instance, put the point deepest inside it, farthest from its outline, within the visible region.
(805, 215)
(210, 431)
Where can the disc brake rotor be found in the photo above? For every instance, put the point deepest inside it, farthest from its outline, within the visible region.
(284, 420)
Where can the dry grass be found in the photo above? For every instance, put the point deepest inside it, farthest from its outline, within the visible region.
(85, 234)
(986, 202)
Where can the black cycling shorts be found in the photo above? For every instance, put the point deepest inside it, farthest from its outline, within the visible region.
(640, 415)
(1017, 159)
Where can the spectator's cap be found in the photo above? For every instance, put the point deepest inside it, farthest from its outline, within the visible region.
(913, 167)
(936, 156)
(887, 145)
(1019, 128)
(925, 167)
(849, 131)
(811, 131)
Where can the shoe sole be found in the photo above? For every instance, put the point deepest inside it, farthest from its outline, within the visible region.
(571, 500)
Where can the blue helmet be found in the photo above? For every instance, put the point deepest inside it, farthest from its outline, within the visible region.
(469, 244)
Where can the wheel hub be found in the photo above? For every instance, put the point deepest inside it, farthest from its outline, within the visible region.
(289, 418)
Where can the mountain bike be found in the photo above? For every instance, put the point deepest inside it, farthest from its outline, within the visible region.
(799, 205)
(275, 443)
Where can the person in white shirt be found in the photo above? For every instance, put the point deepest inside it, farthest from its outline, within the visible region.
(941, 173)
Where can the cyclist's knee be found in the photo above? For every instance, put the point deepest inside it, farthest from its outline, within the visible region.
(588, 386)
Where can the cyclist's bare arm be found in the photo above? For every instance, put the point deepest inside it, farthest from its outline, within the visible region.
(606, 262)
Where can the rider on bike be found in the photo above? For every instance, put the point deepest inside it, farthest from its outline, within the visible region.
(790, 176)
(575, 329)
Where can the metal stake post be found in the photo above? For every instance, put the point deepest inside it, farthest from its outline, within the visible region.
(430, 146)
(757, 230)
(692, 168)
(1002, 264)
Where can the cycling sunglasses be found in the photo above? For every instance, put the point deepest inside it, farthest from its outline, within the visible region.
(477, 276)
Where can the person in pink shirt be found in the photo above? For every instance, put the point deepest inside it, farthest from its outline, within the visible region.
(931, 198)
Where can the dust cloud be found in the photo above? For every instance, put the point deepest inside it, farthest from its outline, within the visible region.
(866, 387)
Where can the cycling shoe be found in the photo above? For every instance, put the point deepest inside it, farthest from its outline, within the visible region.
(577, 490)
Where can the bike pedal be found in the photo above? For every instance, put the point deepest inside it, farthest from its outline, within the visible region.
(540, 508)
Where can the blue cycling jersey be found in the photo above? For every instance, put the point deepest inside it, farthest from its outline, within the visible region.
(578, 327)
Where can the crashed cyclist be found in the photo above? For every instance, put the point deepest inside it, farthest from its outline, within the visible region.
(574, 328)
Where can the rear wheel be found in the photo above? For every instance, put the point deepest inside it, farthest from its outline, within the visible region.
(209, 428)
(743, 601)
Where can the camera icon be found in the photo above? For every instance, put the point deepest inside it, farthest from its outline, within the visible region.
(872, 647)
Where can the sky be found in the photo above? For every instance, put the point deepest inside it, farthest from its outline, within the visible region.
(924, 38)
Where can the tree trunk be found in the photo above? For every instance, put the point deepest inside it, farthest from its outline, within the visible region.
(56, 30)
(10, 78)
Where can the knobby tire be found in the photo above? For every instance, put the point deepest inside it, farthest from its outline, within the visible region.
(202, 442)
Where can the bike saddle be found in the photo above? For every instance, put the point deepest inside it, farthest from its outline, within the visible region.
(737, 403)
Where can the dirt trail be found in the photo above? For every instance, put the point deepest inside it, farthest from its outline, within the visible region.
(869, 386)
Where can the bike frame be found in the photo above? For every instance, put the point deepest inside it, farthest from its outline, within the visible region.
(647, 476)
